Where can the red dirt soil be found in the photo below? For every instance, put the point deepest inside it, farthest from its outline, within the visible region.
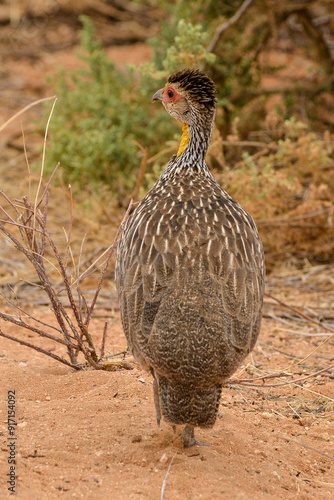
(92, 434)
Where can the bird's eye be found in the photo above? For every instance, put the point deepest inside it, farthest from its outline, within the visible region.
(170, 94)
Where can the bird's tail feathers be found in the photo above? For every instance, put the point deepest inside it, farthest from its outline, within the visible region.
(188, 404)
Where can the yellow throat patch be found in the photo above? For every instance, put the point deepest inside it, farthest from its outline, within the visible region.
(184, 139)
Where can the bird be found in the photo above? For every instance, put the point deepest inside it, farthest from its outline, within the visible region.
(190, 271)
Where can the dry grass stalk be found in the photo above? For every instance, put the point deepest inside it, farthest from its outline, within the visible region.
(31, 105)
(162, 492)
(295, 441)
(249, 381)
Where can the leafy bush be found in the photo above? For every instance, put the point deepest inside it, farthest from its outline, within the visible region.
(100, 115)
(188, 49)
(104, 112)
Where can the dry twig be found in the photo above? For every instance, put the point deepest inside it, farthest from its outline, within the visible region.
(299, 313)
(306, 446)
(33, 243)
(223, 27)
(249, 381)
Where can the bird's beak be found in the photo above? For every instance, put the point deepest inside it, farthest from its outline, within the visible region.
(158, 96)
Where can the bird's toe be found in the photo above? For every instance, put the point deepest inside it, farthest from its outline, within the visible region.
(188, 437)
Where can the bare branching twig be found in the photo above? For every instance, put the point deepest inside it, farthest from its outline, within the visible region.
(27, 231)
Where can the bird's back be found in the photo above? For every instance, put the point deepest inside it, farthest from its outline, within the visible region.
(190, 279)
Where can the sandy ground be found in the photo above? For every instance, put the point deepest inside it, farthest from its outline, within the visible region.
(92, 434)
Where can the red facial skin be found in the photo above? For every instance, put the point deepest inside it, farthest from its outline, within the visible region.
(170, 94)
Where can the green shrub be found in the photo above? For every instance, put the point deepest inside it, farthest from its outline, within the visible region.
(188, 49)
(100, 113)
(103, 111)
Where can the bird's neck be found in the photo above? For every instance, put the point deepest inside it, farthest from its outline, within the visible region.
(193, 147)
(184, 139)
(190, 158)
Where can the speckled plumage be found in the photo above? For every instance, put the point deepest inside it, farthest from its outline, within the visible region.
(190, 272)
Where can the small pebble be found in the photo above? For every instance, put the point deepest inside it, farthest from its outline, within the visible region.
(267, 415)
(260, 453)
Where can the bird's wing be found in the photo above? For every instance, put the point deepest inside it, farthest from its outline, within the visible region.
(174, 238)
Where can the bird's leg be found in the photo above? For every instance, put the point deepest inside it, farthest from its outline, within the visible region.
(188, 437)
(156, 401)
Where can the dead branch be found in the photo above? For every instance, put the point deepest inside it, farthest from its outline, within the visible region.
(34, 241)
(39, 349)
(299, 313)
(223, 27)
(314, 33)
(165, 479)
(23, 324)
(103, 339)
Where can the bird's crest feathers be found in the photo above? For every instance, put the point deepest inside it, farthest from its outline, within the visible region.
(199, 87)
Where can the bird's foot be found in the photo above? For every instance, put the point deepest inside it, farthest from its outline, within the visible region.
(188, 437)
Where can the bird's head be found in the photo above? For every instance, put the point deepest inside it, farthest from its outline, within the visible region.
(189, 95)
